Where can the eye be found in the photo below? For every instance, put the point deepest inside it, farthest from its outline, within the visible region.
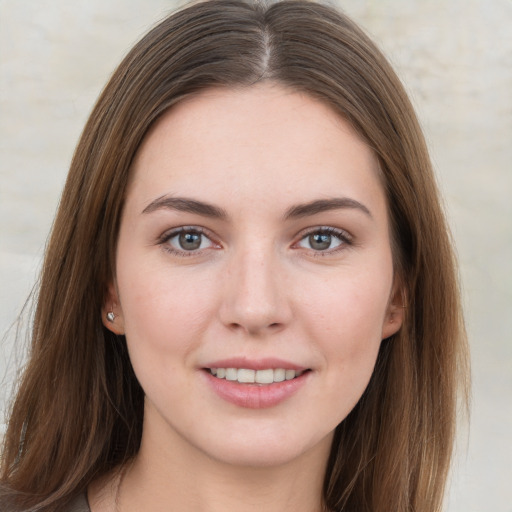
(186, 240)
(324, 239)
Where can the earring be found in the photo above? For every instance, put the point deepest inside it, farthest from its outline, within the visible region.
(111, 316)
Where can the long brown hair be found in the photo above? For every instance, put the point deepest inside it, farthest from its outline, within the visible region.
(78, 411)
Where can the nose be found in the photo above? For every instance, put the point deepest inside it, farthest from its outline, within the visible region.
(255, 299)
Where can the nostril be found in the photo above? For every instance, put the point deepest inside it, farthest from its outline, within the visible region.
(254, 329)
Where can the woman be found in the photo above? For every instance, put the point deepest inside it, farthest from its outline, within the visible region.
(249, 299)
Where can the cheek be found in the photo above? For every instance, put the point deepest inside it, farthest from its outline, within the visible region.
(346, 318)
(165, 318)
(352, 306)
(164, 311)
(349, 338)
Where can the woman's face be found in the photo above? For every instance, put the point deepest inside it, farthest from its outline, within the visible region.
(254, 276)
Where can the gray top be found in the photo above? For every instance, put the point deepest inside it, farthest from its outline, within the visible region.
(79, 504)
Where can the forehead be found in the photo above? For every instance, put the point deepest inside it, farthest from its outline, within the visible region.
(254, 142)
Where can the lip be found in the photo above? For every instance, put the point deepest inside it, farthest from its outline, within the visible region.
(255, 396)
(255, 364)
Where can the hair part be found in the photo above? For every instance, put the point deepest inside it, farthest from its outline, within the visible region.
(78, 412)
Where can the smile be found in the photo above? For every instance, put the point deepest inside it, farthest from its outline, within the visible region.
(256, 389)
(249, 376)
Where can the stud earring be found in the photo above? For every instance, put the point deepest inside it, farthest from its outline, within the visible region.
(111, 317)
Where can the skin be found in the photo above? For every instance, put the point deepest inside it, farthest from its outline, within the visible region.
(257, 287)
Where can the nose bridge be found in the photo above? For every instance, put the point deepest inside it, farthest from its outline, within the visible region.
(254, 298)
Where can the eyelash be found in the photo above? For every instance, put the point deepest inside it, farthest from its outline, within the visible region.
(343, 236)
(166, 237)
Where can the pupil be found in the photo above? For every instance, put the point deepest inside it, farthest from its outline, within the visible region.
(190, 241)
(320, 241)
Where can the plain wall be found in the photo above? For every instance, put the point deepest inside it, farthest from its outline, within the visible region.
(455, 57)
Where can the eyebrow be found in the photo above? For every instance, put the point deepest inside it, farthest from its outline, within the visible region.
(183, 204)
(324, 205)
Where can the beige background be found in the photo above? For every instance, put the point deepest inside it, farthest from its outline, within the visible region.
(455, 57)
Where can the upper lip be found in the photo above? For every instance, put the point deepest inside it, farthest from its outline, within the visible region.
(255, 364)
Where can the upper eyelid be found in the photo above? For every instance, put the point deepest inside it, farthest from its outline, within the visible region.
(169, 233)
(328, 229)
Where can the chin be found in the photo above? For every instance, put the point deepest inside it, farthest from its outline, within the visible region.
(267, 450)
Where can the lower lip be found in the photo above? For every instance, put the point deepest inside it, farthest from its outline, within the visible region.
(254, 396)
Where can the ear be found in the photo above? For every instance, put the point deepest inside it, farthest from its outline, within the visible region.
(111, 312)
(395, 311)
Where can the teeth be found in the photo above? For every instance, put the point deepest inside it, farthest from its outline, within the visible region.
(264, 376)
(231, 374)
(245, 375)
(289, 374)
(280, 374)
